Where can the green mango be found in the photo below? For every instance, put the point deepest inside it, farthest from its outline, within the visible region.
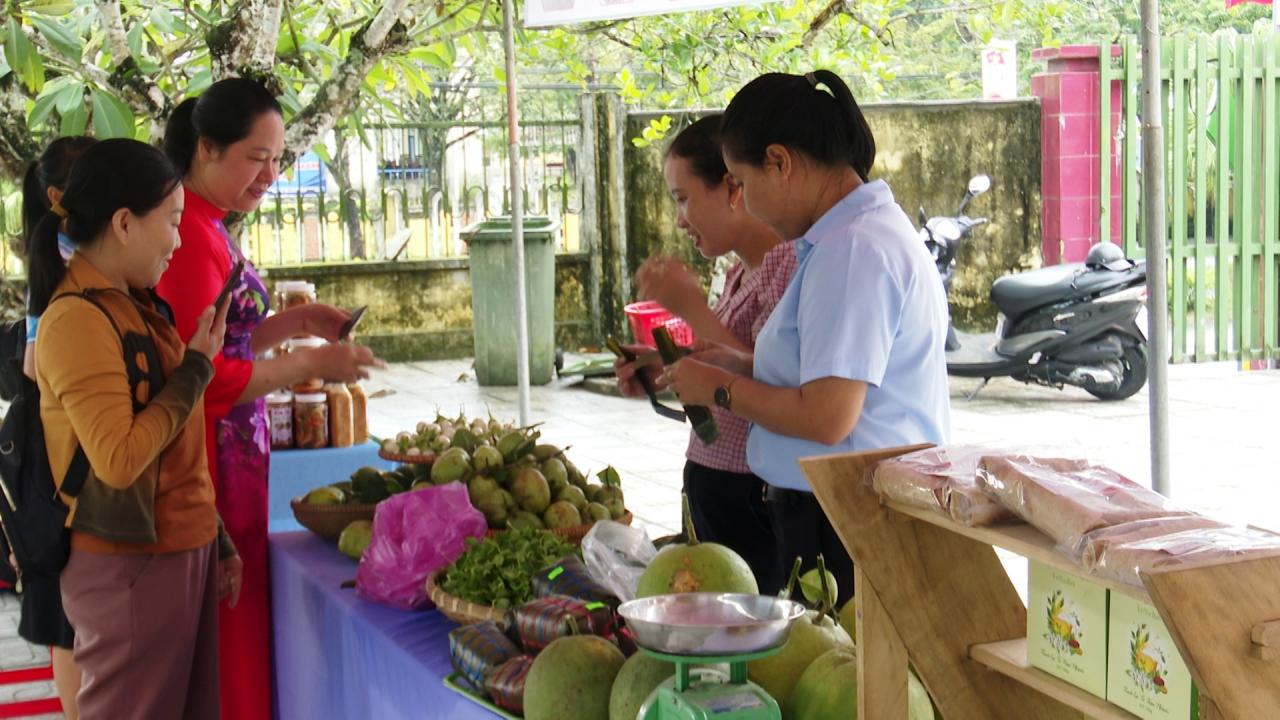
(464, 439)
(355, 538)
(546, 452)
(510, 444)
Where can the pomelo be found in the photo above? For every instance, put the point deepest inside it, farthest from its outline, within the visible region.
(572, 678)
(829, 687)
(696, 567)
(639, 676)
(811, 636)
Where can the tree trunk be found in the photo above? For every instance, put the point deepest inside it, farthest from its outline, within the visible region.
(434, 143)
(340, 168)
(340, 94)
(17, 147)
(246, 44)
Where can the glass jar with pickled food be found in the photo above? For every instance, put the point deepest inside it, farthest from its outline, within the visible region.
(311, 420)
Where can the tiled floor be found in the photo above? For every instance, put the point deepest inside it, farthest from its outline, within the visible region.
(1222, 422)
(16, 653)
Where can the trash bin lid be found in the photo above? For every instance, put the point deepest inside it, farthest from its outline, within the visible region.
(536, 227)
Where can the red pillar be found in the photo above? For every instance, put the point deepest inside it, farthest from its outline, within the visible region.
(1069, 154)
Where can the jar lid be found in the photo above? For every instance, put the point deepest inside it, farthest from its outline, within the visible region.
(307, 342)
(279, 397)
(311, 398)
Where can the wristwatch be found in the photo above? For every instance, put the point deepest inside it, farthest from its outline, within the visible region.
(724, 394)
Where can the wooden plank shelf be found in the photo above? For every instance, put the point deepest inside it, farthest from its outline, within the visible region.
(935, 592)
(1022, 539)
(1009, 658)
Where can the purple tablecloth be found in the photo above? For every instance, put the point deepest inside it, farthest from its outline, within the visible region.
(337, 656)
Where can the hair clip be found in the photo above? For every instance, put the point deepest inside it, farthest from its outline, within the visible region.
(812, 78)
(58, 210)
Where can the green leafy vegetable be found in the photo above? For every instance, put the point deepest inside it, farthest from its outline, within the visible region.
(498, 571)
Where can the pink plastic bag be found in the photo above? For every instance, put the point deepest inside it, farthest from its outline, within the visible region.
(414, 534)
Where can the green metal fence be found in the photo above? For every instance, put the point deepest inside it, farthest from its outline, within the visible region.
(414, 187)
(1221, 97)
(406, 190)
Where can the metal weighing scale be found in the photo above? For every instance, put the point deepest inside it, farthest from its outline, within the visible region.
(693, 630)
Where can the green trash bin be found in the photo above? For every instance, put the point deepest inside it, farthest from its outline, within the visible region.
(493, 298)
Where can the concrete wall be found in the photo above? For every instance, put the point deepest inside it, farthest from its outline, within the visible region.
(926, 152)
(420, 310)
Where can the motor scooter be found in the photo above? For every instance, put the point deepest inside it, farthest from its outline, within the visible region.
(1081, 324)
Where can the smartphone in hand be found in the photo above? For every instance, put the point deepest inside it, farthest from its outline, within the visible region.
(232, 282)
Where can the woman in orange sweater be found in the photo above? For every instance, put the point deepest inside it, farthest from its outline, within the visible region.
(148, 557)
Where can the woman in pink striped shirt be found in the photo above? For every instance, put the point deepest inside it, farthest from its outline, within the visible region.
(726, 500)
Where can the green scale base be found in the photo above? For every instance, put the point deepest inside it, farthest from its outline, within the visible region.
(700, 693)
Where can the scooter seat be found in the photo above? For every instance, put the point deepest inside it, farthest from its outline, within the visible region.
(1017, 294)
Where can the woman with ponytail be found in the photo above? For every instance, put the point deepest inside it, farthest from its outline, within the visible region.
(120, 397)
(852, 357)
(41, 188)
(726, 503)
(43, 621)
(227, 145)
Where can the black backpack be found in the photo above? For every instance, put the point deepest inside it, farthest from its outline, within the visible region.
(32, 515)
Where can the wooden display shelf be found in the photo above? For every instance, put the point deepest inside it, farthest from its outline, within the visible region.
(1009, 658)
(1024, 540)
(934, 593)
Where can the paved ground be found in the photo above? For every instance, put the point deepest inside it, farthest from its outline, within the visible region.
(1221, 422)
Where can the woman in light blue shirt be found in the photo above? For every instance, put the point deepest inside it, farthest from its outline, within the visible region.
(41, 188)
(852, 357)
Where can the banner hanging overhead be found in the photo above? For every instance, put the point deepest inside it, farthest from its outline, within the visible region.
(540, 13)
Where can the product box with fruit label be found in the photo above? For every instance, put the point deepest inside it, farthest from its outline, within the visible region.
(1146, 673)
(1067, 627)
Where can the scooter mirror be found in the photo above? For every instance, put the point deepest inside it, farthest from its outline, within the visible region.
(979, 184)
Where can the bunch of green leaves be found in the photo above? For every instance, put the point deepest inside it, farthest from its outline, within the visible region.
(498, 571)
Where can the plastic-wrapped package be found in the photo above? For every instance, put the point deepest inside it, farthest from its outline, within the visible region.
(568, 576)
(616, 556)
(1190, 548)
(505, 685)
(1092, 545)
(539, 622)
(476, 650)
(941, 479)
(414, 534)
(1066, 499)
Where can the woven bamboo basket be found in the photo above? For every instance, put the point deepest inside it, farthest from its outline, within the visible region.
(457, 609)
(424, 459)
(328, 521)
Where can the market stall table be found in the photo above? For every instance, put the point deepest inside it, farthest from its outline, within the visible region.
(342, 657)
(296, 472)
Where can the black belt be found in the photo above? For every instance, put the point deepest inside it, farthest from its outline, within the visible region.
(773, 493)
